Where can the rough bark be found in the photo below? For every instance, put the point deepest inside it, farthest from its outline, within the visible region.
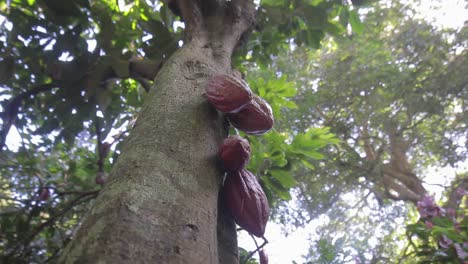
(160, 204)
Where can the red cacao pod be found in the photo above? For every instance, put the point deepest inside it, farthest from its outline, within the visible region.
(44, 194)
(104, 149)
(100, 178)
(246, 201)
(255, 118)
(235, 153)
(263, 256)
(228, 94)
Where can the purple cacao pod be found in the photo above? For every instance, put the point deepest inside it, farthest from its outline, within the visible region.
(255, 118)
(263, 256)
(246, 201)
(235, 153)
(44, 194)
(228, 94)
(100, 178)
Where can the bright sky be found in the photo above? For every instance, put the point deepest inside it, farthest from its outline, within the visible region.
(281, 249)
(446, 13)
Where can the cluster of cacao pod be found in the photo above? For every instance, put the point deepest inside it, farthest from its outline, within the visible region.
(245, 110)
(250, 113)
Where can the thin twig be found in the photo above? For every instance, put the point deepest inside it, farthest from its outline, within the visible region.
(265, 241)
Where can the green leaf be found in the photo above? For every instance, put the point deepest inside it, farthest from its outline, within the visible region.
(315, 17)
(261, 92)
(310, 153)
(276, 188)
(315, 2)
(344, 16)
(274, 2)
(289, 104)
(307, 164)
(243, 254)
(355, 22)
(285, 178)
(309, 143)
(279, 159)
(334, 28)
(442, 222)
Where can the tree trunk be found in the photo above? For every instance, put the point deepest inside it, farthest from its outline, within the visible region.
(160, 204)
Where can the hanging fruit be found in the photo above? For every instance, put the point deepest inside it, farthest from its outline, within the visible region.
(228, 94)
(246, 201)
(255, 118)
(234, 153)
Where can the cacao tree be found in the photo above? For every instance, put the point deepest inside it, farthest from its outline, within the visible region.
(79, 77)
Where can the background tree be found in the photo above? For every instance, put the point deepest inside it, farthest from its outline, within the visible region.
(74, 72)
(395, 98)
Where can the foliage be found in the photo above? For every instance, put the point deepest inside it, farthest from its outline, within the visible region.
(244, 257)
(395, 98)
(440, 235)
(73, 75)
(276, 154)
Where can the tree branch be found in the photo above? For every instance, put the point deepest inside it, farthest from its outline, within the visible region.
(191, 14)
(146, 68)
(455, 196)
(318, 211)
(256, 250)
(138, 69)
(404, 192)
(10, 114)
(82, 198)
(368, 146)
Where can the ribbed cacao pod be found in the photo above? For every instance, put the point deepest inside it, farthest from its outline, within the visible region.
(234, 153)
(246, 201)
(263, 256)
(228, 94)
(255, 118)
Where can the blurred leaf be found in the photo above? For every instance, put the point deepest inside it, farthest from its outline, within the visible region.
(284, 178)
(355, 22)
